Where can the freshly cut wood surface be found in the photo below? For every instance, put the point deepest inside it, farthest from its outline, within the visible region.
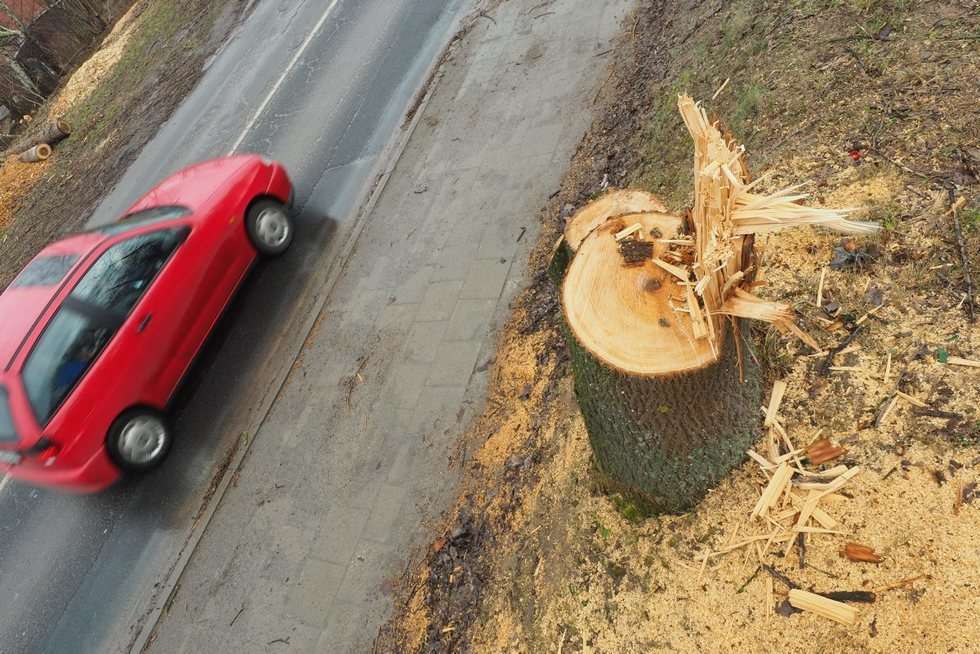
(611, 204)
(624, 315)
(828, 608)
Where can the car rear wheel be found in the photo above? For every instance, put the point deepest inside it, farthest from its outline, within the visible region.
(270, 227)
(139, 440)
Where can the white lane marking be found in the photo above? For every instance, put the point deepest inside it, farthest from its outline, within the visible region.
(4, 482)
(282, 78)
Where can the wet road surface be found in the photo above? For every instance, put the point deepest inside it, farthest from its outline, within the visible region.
(321, 85)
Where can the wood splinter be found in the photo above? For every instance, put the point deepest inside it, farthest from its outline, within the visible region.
(822, 606)
(859, 553)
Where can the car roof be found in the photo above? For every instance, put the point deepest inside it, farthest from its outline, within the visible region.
(22, 306)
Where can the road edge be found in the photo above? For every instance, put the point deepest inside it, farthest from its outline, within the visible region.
(321, 286)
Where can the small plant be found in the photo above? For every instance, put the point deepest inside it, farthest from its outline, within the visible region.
(747, 106)
(887, 215)
(628, 509)
(970, 219)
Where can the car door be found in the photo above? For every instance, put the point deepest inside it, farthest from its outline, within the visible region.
(138, 282)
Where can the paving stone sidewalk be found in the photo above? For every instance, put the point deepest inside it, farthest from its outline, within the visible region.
(353, 464)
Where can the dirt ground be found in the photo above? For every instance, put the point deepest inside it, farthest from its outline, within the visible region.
(114, 101)
(873, 106)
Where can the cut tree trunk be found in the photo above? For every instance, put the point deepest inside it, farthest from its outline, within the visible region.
(51, 133)
(39, 152)
(654, 307)
(615, 202)
(668, 414)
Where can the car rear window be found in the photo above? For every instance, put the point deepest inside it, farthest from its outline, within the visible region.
(68, 346)
(45, 271)
(7, 431)
(143, 218)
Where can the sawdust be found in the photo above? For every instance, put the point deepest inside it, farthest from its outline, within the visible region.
(95, 69)
(16, 180)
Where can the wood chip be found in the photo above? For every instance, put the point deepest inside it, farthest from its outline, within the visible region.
(859, 553)
(678, 272)
(775, 399)
(960, 361)
(780, 479)
(823, 274)
(629, 231)
(827, 608)
(911, 400)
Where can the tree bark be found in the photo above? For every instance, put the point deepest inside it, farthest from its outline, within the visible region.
(51, 133)
(37, 153)
(668, 415)
(666, 441)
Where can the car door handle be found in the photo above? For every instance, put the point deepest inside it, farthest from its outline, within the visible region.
(144, 323)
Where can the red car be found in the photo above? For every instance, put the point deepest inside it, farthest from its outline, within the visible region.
(98, 330)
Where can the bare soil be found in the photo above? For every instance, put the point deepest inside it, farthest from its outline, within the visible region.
(114, 101)
(873, 106)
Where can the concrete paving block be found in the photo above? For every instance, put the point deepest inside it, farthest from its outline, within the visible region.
(470, 320)
(485, 279)
(399, 466)
(405, 381)
(439, 300)
(345, 632)
(412, 287)
(309, 598)
(385, 513)
(454, 363)
(362, 582)
(436, 411)
(500, 239)
(423, 340)
(397, 318)
(454, 260)
(339, 532)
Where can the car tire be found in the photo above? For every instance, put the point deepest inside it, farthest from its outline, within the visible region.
(270, 227)
(139, 440)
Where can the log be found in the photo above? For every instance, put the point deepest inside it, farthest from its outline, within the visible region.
(51, 134)
(37, 153)
(612, 203)
(667, 414)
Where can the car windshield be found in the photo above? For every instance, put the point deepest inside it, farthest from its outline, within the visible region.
(7, 431)
(64, 352)
(45, 271)
(143, 218)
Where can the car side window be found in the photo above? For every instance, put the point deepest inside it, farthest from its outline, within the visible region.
(7, 431)
(70, 343)
(117, 281)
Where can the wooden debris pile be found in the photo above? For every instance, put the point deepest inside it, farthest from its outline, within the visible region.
(715, 264)
(795, 505)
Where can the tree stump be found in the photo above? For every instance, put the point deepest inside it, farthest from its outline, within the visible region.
(667, 416)
(614, 202)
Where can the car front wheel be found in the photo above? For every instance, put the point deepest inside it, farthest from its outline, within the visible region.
(270, 227)
(139, 440)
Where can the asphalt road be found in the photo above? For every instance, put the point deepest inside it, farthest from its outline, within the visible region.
(322, 85)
